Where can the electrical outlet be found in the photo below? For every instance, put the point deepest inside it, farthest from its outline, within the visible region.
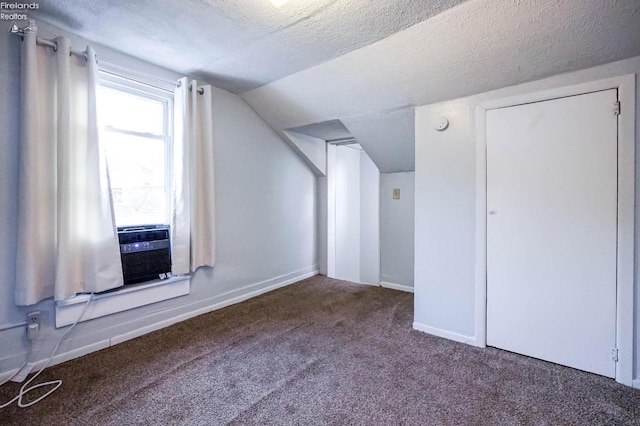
(33, 331)
(33, 324)
(33, 317)
(396, 193)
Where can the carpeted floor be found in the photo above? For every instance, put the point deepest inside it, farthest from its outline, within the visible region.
(318, 352)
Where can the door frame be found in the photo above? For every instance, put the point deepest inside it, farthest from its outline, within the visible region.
(626, 200)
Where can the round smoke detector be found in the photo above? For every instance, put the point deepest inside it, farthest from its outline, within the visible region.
(441, 123)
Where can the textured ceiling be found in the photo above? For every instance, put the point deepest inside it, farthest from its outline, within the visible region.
(327, 130)
(475, 47)
(237, 45)
(365, 63)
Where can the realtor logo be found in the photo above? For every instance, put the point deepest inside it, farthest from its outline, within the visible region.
(15, 11)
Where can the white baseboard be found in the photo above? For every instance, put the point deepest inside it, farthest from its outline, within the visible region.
(74, 353)
(59, 359)
(394, 286)
(222, 301)
(5, 376)
(371, 284)
(212, 304)
(636, 384)
(470, 340)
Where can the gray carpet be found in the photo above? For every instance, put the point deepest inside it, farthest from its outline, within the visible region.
(318, 352)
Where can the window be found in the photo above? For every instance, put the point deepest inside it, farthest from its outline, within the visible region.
(136, 130)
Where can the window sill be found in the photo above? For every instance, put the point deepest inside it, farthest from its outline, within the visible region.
(128, 297)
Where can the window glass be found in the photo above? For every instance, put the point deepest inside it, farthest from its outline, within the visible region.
(135, 133)
(137, 168)
(127, 111)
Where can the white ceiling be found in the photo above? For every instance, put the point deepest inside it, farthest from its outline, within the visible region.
(328, 130)
(237, 44)
(365, 63)
(475, 47)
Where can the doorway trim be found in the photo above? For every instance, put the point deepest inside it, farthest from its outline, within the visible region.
(626, 200)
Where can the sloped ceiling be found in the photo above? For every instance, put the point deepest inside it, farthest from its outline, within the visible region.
(236, 45)
(365, 63)
(475, 47)
(328, 130)
(387, 138)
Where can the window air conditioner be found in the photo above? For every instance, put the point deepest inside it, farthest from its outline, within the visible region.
(145, 253)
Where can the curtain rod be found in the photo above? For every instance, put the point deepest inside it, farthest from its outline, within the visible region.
(52, 44)
(32, 28)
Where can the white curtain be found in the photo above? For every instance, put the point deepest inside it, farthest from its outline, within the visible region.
(67, 239)
(193, 218)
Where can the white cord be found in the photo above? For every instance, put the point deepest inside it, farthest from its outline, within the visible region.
(56, 383)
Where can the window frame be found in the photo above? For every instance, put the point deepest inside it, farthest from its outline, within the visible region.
(133, 87)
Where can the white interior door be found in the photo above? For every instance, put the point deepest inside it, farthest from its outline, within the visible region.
(551, 230)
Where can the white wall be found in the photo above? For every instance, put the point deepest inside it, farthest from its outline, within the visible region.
(322, 234)
(312, 150)
(265, 216)
(347, 214)
(445, 204)
(369, 221)
(351, 214)
(397, 229)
